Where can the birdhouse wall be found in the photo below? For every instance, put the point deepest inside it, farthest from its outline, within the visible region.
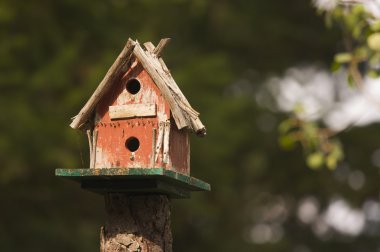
(134, 127)
(179, 149)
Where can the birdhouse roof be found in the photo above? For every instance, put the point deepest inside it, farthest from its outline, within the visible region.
(184, 115)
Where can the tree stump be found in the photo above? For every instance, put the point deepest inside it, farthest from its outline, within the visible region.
(136, 223)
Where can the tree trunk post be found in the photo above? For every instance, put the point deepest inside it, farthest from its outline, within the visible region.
(136, 223)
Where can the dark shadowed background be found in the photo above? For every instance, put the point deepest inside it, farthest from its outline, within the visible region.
(53, 54)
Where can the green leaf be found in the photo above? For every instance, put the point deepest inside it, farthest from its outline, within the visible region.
(335, 155)
(343, 57)
(350, 80)
(286, 125)
(298, 108)
(310, 131)
(373, 41)
(374, 59)
(287, 142)
(331, 162)
(357, 10)
(315, 160)
(373, 74)
(361, 53)
(358, 30)
(335, 66)
(375, 26)
(337, 151)
(352, 18)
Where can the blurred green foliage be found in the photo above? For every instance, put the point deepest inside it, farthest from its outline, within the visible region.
(53, 54)
(360, 58)
(360, 46)
(320, 149)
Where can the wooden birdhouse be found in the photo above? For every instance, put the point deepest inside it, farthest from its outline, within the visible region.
(137, 120)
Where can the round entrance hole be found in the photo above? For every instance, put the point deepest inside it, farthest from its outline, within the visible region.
(133, 86)
(132, 144)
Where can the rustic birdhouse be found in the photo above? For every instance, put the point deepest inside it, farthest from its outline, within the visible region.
(138, 123)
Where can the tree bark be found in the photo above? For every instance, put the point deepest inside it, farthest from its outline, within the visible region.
(136, 224)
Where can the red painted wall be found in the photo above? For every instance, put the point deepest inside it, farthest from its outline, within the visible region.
(112, 134)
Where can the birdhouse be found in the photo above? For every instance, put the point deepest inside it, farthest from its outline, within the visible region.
(137, 123)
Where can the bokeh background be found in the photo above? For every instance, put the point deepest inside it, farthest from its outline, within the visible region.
(224, 55)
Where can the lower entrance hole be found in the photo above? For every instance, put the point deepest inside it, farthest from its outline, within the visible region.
(132, 144)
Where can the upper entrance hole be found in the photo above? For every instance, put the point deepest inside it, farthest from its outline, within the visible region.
(133, 86)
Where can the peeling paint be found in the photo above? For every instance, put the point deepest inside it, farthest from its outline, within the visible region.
(112, 134)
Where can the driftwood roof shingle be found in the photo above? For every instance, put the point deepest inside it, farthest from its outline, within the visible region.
(184, 115)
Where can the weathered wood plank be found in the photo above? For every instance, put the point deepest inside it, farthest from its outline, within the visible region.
(146, 61)
(161, 128)
(102, 239)
(178, 95)
(160, 47)
(198, 127)
(132, 110)
(118, 67)
(190, 114)
(94, 143)
(193, 115)
(149, 46)
(89, 138)
(165, 158)
(152, 158)
(164, 67)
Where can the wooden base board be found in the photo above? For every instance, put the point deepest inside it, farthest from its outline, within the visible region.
(135, 181)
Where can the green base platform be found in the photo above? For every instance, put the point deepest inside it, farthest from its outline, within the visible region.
(135, 181)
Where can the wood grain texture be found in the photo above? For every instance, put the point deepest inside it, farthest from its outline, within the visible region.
(152, 156)
(179, 150)
(161, 81)
(132, 110)
(198, 127)
(137, 223)
(113, 134)
(94, 145)
(184, 115)
(102, 240)
(165, 151)
(149, 46)
(89, 138)
(161, 45)
(118, 68)
(161, 128)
